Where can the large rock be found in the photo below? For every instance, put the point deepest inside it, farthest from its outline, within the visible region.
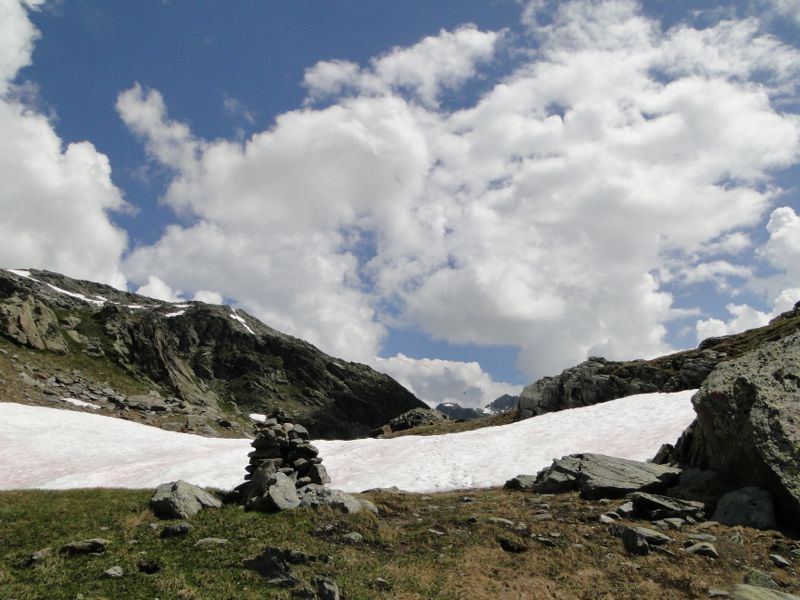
(180, 500)
(656, 506)
(749, 506)
(748, 423)
(280, 495)
(751, 592)
(600, 476)
(317, 495)
(31, 323)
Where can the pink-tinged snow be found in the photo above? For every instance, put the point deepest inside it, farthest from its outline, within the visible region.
(56, 449)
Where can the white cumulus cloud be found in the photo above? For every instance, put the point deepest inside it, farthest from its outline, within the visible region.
(54, 199)
(426, 69)
(548, 215)
(437, 380)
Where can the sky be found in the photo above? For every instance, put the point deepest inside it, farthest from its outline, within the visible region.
(467, 195)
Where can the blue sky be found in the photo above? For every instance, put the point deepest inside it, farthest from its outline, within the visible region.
(465, 194)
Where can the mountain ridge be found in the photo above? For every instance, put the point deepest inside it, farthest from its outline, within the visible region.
(210, 365)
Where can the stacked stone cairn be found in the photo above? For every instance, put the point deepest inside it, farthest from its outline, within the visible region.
(282, 463)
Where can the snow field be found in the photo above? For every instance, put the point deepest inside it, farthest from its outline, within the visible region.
(49, 448)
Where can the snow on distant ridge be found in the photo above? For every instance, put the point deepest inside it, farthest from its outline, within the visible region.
(77, 295)
(58, 449)
(236, 317)
(21, 273)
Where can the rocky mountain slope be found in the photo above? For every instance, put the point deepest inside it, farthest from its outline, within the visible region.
(190, 366)
(498, 406)
(598, 380)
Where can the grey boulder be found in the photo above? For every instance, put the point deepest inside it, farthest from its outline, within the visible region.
(751, 592)
(654, 507)
(749, 506)
(281, 495)
(746, 428)
(599, 476)
(327, 589)
(180, 500)
(521, 482)
(92, 546)
(317, 495)
(633, 541)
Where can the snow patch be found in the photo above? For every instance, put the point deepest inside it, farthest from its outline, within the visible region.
(175, 314)
(21, 273)
(76, 295)
(81, 403)
(236, 317)
(257, 417)
(48, 448)
(134, 306)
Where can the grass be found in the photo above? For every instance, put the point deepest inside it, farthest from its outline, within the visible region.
(432, 547)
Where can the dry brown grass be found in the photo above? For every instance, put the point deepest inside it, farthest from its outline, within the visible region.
(439, 546)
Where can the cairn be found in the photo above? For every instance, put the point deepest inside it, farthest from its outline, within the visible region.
(282, 463)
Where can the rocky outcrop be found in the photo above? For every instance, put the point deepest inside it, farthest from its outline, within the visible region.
(31, 323)
(599, 476)
(599, 380)
(748, 423)
(416, 417)
(180, 500)
(216, 361)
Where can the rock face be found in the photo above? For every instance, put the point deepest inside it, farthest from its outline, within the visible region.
(600, 476)
(179, 500)
(213, 364)
(748, 423)
(599, 380)
(31, 323)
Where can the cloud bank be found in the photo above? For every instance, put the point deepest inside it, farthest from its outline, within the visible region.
(565, 211)
(551, 215)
